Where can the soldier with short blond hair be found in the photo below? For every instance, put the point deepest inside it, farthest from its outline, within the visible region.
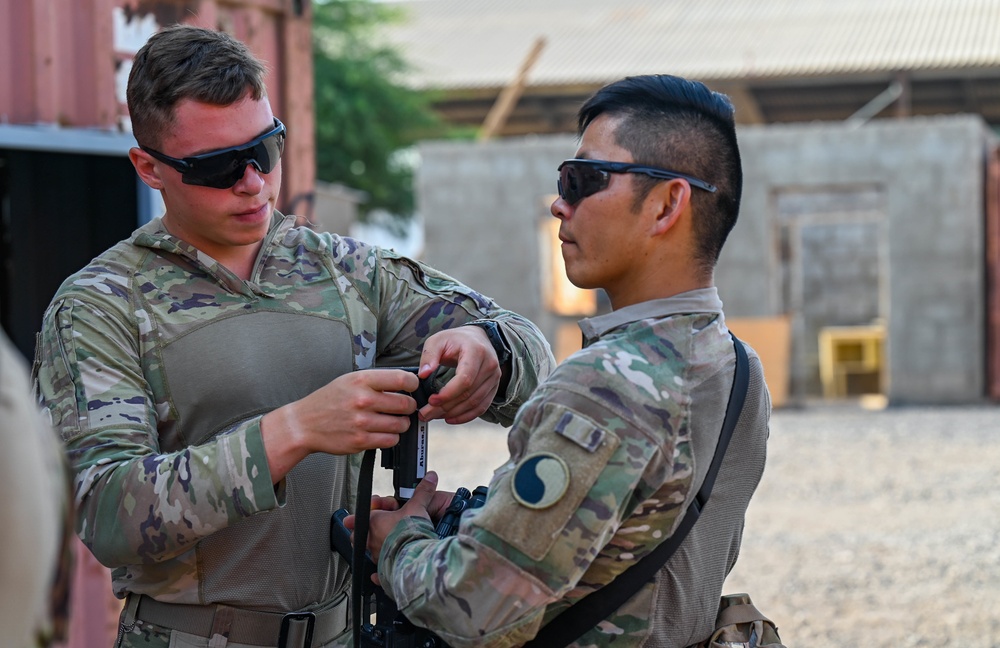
(211, 376)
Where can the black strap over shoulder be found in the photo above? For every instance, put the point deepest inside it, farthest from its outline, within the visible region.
(572, 623)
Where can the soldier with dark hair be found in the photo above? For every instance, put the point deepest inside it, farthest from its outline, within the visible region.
(211, 375)
(614, 445)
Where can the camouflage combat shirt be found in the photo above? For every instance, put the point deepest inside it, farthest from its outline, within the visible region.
(604, 458)
(156, 364)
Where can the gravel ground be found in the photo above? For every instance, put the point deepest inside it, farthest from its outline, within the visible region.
(869, 529)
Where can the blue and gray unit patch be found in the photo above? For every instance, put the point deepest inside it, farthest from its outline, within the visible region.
(540, 480)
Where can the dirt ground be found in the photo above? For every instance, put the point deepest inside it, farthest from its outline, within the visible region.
(869, 529)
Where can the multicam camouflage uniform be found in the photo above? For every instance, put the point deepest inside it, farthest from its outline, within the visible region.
(604, 458)
(156, 364)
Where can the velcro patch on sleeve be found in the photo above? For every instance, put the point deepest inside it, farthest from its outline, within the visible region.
(581, 431)
(532, 504)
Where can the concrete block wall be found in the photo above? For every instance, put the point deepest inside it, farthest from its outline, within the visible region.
(483, 205)
(929, 173)
(917, 185)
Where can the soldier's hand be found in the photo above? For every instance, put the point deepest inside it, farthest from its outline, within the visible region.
(354, 412)
(477, 374)
(385, 518)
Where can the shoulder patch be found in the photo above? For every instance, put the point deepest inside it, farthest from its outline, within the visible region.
(540, 480)
(544, 497)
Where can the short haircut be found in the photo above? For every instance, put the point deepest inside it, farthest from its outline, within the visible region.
(187, 62)
(681, 125)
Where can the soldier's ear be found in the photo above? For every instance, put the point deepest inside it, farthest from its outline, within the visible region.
(146, 167)
(670, 200)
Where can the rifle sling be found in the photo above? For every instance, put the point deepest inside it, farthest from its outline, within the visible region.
(361, 517)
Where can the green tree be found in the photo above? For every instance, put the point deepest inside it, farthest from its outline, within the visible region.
(365, 117)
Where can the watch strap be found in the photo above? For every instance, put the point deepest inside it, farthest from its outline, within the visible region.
(495, 337)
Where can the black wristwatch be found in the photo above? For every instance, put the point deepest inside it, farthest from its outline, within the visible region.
(495, 337)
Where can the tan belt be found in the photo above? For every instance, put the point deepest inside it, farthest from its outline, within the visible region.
(300, 629)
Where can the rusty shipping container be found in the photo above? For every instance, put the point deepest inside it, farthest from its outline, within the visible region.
(66, 62)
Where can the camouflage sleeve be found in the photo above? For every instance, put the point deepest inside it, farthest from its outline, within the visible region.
(136, 504)
(416, 301)
(552, 510)
(458, 589)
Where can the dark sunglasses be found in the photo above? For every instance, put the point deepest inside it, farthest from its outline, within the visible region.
(581, 178)
(223, 168)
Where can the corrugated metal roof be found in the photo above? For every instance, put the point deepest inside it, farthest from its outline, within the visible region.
(481, 43)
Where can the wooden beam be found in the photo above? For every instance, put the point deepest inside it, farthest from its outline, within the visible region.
(904, 104)
(508, 97)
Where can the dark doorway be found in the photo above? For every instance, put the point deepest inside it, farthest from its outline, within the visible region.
(57, 212)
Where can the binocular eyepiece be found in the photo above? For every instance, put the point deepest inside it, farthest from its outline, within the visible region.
(461, 502)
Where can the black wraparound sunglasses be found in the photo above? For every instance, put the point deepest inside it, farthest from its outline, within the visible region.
(223, 168)
(581, 178)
